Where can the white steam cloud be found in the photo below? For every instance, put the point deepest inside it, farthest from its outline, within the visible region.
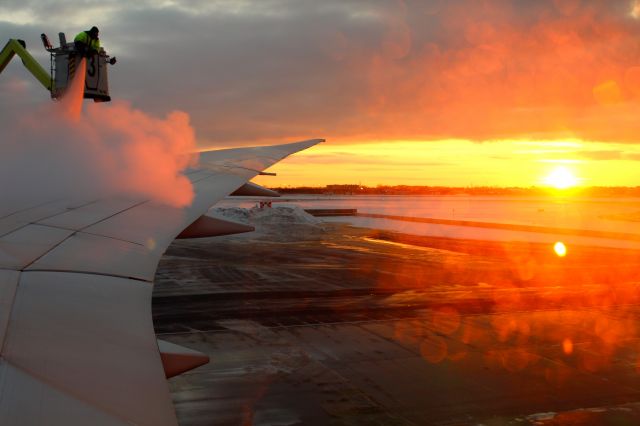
(60, 151)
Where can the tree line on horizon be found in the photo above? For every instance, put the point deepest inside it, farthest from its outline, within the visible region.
(353, 189)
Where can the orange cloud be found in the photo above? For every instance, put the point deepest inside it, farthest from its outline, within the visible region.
(502, 70)
(371, 71)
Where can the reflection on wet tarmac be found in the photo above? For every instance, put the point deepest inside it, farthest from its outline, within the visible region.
(344, 329)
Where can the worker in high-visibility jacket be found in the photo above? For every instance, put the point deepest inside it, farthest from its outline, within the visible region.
(87, 43)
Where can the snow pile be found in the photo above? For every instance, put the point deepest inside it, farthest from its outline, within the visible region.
(282, 214)
(282, 222)
(234, 214)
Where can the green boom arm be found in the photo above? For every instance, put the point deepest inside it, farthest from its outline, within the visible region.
(13, 47)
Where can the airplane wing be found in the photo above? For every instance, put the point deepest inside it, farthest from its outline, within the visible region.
(77, 344)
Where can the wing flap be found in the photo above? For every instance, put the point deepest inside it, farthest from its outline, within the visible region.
(99, 255)
(25, 245)
(18, 219)
(89, 214)
(55, 407)
(92, 338)
(8, 284)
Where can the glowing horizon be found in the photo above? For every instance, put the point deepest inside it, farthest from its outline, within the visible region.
(461, 163)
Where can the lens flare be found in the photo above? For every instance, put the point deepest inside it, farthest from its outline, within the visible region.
(635, 9)
(560, 249)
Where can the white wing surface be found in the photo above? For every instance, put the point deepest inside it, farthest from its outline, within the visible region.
(77, 345)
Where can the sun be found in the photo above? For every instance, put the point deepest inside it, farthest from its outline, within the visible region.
(561, 178)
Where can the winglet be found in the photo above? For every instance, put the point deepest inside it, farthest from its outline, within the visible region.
(257, 158)
(292, 148)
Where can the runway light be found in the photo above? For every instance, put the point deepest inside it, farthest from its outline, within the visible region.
(560, 249)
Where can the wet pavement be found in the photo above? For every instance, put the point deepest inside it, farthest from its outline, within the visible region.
(354, 327)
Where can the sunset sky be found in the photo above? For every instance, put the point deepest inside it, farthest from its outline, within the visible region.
(415, 92)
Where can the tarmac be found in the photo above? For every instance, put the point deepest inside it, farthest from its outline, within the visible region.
(347, 326)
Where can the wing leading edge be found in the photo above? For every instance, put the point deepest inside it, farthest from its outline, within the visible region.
(77, 344)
